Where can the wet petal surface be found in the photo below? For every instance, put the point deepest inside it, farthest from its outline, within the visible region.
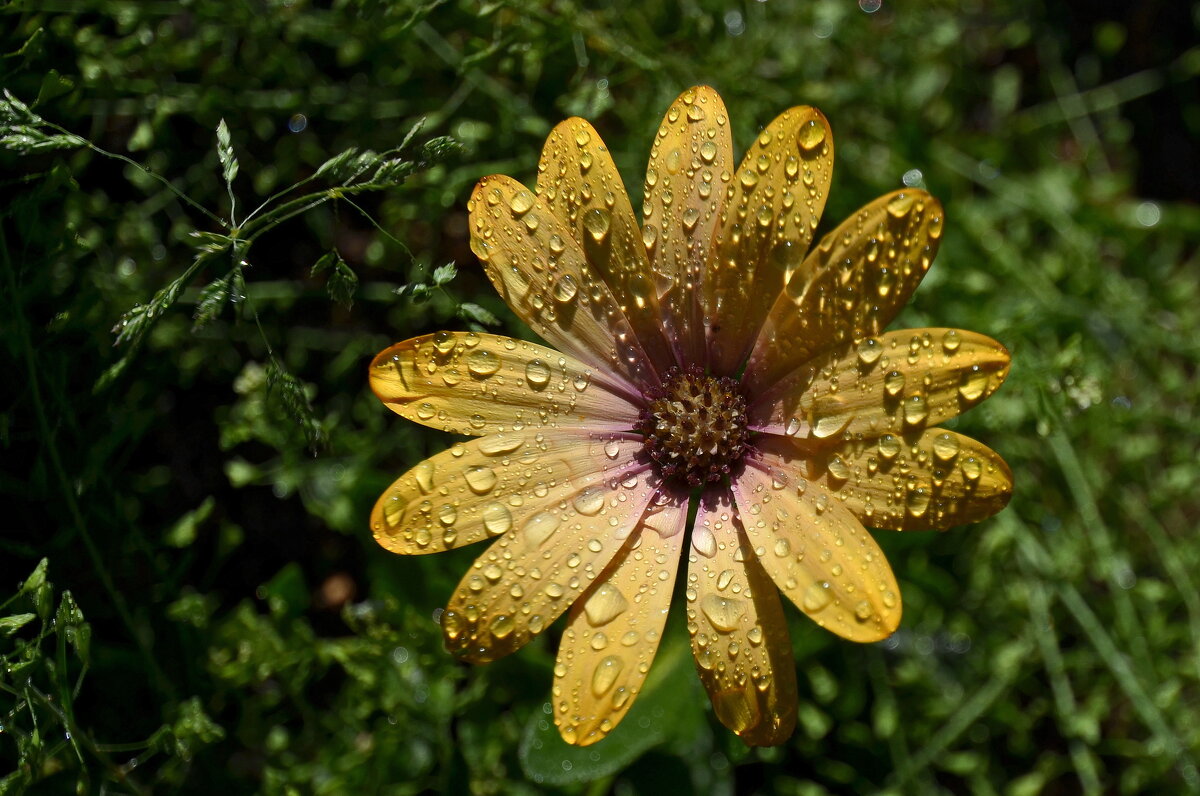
(530, 576)
(532, 259)
(817, 551)
(738, 631)
(473, 383)
(851, 285)
(924, 480)
(484, 488)
(687, 180)
(899, 383)
(614, 629)
(775, 200)
(581, 186)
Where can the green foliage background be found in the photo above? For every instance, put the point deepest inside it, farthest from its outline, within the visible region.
(211, 613)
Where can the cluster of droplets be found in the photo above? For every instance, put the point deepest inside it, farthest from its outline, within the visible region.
(695, 426)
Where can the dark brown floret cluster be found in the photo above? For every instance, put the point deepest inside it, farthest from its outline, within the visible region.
(695, 426)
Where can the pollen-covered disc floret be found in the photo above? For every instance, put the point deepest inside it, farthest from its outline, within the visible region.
(695, 426)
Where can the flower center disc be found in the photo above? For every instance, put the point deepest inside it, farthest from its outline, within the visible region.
(695, 426)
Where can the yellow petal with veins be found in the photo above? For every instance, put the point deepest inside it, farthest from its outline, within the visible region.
(738, 631)
(926, 480)
(817, 551)
(687, 179)
(851, 285)
(582, 187)
(614, 629)
(898, 383)
(531, 575)
(486, 487)
(775, 200)
(539, 270)
(471, 383)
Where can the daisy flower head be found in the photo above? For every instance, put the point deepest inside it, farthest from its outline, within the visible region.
(701, 356)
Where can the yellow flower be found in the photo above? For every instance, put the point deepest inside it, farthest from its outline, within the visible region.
(702, 355)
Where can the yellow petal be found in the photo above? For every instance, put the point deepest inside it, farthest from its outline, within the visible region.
(487, 486)
(540, 271)
(851, 285)
(739, 635)
(530, 576)
(469, 383)
(898, 384)
(926, 480)
(614, 629)
(691, 164)
(817, 551)
(775, 201)
(582, 187)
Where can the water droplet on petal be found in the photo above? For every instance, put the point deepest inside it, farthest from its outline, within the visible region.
(889, 446)
(604, 605)
(540, 526)
(605, 675)
(537, 373)
(945, 446)
(565, 289)
(810, 135)
(901, 204)
(521, 203)
(482, 363)
(502, 626)
(893, 382)
(497, 519)
(816, 597)
(590, 501)
(480, 478)
(723, 612)
(972, 383)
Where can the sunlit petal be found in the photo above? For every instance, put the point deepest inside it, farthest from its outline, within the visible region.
(691, 165)
(898, 383)
(924, 480)
(614, 629)
(471, 383)
(530, 576)
(485, 487)
(739, 635)
(851, 285)
(537, 267)
(581, 186)
(775, 201)
(817, 551)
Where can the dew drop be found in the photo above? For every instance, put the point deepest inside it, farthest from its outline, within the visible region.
(521, 203)
(497, 519)
(537, 373)
(971, 468)
(612, 448)
(945, 446)
(723, 612)
(915, 410)
(951, 341)
(503, 626)
(426, 410)
(447, 514)
(901, 204)
(889, 446)
(649, 237)
(590, 501)
(596, 221)
(605, 675)
(604, 605)
(565, 289)
(748, 179)
(423, 472)
(917, 501)
(480, 478)
(690, 217)
(810, 135)
(869, 351)
(862, 611)
(483, 363)
(816, 597)
(443, 342)
(893, 382)
(708, 151)
(972, 383)
(838, 468)
(540, 526)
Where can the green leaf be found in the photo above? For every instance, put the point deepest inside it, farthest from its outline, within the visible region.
(37, 577)
(11, 624)
(342, 281)
(668, 705)
(443, 274)
(229, 161)
(474, 312)
(69, 622)
(213, 298)
(183, 532)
